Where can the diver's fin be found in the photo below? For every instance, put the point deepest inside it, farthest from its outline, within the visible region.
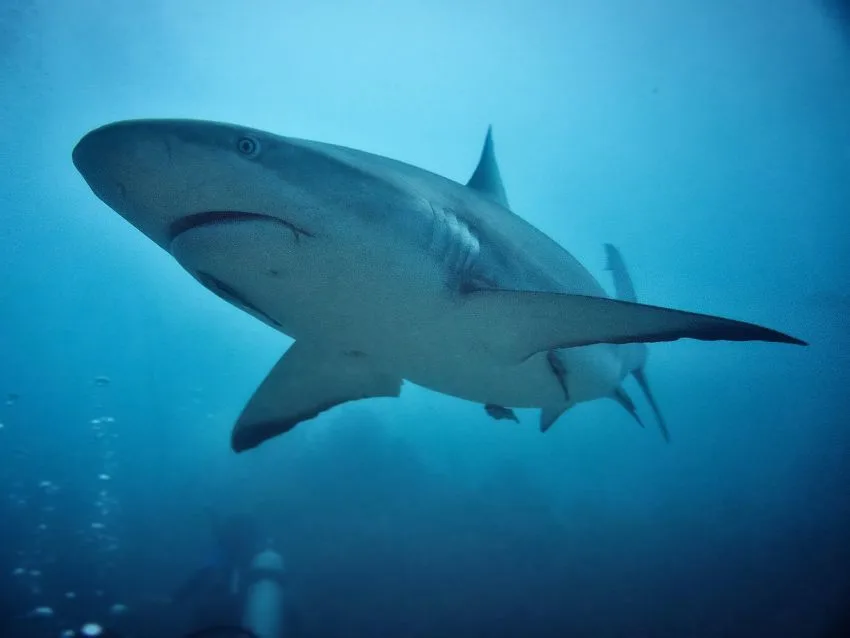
(621, 397)
(307, 380)
(519, 324)
(499, 412)
(640, 377)
(549, 415)
(486, 178)
(623, 287)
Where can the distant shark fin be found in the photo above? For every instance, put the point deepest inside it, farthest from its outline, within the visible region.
(519, 324)
(486, 179)
(549, 415)
(640, 376)
(621, 397)
(623, 287)
(306, 381)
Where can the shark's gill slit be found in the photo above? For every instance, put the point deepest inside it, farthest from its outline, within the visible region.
(233, 296)
(228, 216)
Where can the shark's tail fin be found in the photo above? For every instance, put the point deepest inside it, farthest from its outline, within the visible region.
(636, 353)
(621, 397)
(640, 376)
(623, 286)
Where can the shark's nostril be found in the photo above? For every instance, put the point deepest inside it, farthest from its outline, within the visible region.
(122, 190)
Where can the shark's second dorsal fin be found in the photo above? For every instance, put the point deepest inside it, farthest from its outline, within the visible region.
(486, 178)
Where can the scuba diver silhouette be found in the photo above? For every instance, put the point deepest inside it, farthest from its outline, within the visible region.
(241, 590)
(215, 590)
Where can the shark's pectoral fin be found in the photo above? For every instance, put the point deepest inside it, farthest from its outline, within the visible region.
(622, 398)
(306, 381)
(640, 376)
(519, 324)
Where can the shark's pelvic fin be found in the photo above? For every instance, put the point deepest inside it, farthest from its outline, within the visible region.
(306, 381)
(499, 412)
(640, 376)
(556, 364)
(549, 415)
(621, 397)
(520, 324)
(623, 287)
(486, 178)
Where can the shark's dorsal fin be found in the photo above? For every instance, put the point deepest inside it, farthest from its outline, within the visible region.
(486, 178)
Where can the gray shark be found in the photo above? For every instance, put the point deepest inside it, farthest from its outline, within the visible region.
(381, 272)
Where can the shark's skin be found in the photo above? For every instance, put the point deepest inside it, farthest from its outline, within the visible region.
(380, 271)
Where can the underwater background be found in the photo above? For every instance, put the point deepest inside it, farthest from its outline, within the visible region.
(710, 142)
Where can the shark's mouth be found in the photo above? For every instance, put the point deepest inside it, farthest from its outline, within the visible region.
(210, 218)
(221, 288)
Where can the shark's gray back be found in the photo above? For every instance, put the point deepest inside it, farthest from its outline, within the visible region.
(513, 253)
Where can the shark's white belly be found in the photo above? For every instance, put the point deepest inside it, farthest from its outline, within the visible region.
(369, 296)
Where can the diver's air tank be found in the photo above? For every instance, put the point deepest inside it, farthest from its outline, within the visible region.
(265, 597)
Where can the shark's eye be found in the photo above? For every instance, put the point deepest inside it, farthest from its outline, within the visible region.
(248, 146)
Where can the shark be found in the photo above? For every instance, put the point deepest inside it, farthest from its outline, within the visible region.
(382, 272)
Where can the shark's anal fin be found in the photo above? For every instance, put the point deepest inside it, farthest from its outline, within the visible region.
(519, 324)
(486, 178)
(640, 376)
(621, 397)
(499, 412)
(307, 380)
(549, 415)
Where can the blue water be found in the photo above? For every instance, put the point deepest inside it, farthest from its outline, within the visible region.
(709, 141)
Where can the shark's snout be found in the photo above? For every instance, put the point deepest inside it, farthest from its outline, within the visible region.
(130, 166)
(85, 153)
(91, 157)
(100, 148)
(80, 154)
(112, 158)
(122, 146)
